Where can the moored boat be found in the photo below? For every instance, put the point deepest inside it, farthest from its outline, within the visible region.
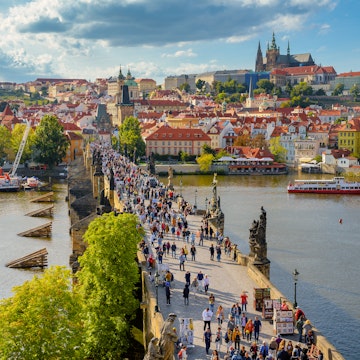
(9, 183)
(32, 183)
(337, 185)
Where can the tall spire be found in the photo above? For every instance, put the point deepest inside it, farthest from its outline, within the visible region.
(273, 42)
(121, 76)
(288, 48)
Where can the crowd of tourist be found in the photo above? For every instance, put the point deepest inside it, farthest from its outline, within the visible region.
(165, 217)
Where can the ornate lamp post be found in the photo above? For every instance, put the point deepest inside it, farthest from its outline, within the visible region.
(295, 277)
(206, 203)
(181, 187)
(195, 205)
(156, 290)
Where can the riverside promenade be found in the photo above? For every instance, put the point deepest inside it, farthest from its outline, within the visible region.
(228, 280)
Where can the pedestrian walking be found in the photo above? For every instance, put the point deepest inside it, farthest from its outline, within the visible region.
(206, 284)
(187, 278)
(207, 316)
(244, 301)
(186, 292)
(218, 252)
(168, 294)
(220, 315)
(200, 277)
(212, 302)
(218, 339)
(212, 252)
(207, 340)
(194, 286)
(193, 252)
(236, 337)
(182, 262)
(173, 250)
(257, 328)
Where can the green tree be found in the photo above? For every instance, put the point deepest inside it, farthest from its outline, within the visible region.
(5, 136)
(49, 141)
(42, 319)
(107, 279)
(130, 137)
(207, 149)
(301, 89)
(320, 92)
(265, 86)
(277, 150)
(205, 161)
(355, 91)
(185, 87)
(16, 137)
(200, 85)
(338, 90)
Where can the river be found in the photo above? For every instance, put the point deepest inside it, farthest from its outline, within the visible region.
(303, 232)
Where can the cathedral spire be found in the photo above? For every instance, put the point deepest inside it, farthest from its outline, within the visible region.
(288, 48)
(273, 42)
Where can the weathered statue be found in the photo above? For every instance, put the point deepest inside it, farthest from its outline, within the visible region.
(151, 164)
(168, 338)
(257, 238)
(153, 352)
(170, 177)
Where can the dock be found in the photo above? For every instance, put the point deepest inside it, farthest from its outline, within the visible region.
(46, 212)
(48, 197)
(40, 231)
(35, 259)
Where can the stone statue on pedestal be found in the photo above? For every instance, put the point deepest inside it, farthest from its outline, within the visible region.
(257, 239)
(170, 177)
(153, 352)
(168, 338)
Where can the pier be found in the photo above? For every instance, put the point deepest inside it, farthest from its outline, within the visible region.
(35, 259)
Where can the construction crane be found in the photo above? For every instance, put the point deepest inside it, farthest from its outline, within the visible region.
(21, 149)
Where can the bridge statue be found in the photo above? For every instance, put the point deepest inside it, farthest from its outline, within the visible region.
(168, 338)
(258, 244)
(153, 352)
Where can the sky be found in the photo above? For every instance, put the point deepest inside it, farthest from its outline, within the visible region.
(89, 39)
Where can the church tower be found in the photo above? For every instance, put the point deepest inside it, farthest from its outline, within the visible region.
(272, 55)
(259, 63)
(125, 107)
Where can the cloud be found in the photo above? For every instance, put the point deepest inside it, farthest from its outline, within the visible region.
(70, 34)
(180, 53)
(324, 29)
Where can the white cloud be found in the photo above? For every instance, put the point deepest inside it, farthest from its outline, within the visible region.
(180, 53)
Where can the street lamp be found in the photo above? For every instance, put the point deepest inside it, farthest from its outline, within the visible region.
(156, 290)
(206, 203)
(195, 205)
(181, 187)
(295, 277)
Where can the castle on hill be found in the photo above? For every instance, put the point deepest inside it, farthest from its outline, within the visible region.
(274, 60)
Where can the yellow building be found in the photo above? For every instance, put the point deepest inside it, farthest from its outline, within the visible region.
(349, 136)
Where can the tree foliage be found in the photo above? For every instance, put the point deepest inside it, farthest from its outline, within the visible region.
(5, 137)
(200, 85)
(277, 150)
(107, 279)
(42, 319)
(301, 89)
(207, 149)
(205, 161)
(355, 91)
(16, 137)
(338, 90)
(130, 137)
(49, 141)
(264, 86)
(185, 87)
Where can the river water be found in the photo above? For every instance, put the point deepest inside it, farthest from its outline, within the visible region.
(303, 232)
